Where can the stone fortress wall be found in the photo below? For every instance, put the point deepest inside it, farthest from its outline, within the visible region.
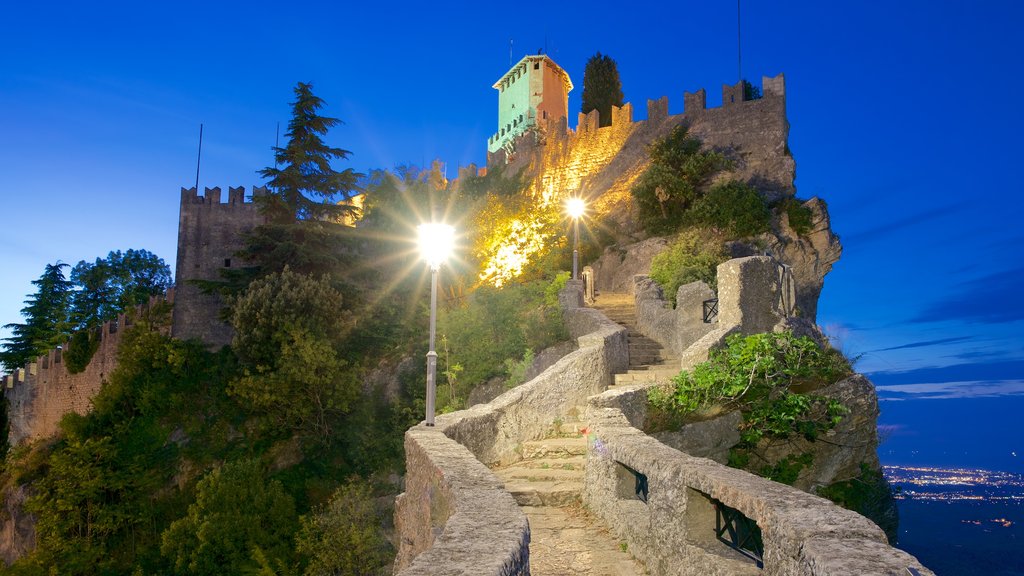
(41, 393)
(210, 232)
(454, 512)
(600, 164)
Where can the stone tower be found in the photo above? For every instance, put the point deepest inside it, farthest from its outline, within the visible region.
(210, 233)
(534, 89)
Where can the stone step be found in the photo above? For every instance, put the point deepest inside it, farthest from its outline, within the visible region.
(645, 376)
(554, 448)
(545, 493)
(521, 472)
(562, 463)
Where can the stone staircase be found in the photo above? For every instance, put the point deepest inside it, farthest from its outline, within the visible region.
(648, 360)
(565, 540)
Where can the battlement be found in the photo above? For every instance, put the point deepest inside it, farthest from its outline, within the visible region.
(212, 196)
(42, 392)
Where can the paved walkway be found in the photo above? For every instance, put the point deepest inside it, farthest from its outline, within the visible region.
(565, 540)
(547, 483)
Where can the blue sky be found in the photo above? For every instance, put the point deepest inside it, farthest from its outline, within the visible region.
(905, 118)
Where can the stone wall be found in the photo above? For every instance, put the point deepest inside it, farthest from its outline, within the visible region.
(672, 532)
(42, 392)
(210, 233)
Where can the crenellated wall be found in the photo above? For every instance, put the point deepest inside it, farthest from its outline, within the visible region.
(601, 164)
(41, 393)
(210, 233)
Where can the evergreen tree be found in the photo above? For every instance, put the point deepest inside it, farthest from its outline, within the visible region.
(46, 319)
(602, 88)
(306, 170)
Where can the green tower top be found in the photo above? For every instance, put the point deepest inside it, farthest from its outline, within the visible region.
(535, 88)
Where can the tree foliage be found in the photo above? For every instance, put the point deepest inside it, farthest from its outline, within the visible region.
(287, 330)
(237, 512)
(495, 326)
(693, 256)
(303, 183)
(346, 535)
(108, 286)
(47, 323)
(733, 209)
(678, 173)
(602, 88)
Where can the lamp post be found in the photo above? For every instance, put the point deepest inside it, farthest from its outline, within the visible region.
(575, 207)
(435, 242)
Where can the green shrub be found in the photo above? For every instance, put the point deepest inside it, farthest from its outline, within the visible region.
(694, 255)
(490, 332)
(346, 536)
(799, 215)
(733, 208)
(83, 346)
(756, 374)
(678, 172)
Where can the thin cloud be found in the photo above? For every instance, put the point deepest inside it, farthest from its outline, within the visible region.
(925, 343)
(950, 390)
(992, 299)
(883, 230)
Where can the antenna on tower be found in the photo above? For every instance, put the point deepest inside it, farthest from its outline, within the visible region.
(739, 46)
(199, 156)
(510, 51)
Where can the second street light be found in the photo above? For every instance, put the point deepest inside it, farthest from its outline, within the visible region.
(436, 241)
(575, 207)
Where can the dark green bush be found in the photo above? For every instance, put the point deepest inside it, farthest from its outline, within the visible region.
(678, 172)
(84, 344)
(799, 215)
(733, 208)
(694, 255)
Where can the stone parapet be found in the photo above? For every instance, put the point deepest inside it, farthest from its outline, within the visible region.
(455, 516)
(672, 532)
(451, 526)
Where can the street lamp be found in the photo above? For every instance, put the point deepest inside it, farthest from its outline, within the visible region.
(435, 241)
(575, 207)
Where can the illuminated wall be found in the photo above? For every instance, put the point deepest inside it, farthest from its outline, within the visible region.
(601, 164)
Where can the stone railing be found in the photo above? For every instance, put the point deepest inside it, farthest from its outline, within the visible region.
(672, 529)
(454, 516)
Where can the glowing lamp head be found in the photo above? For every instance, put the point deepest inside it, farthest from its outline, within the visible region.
(436, 242)
(575, 207)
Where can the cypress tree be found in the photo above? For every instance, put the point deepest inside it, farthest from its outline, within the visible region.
(602, 88)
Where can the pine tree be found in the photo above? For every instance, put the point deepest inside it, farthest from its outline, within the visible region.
(46, 319)
(306, 187)
(602, 88)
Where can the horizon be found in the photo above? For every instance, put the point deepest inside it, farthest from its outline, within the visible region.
(897, 118)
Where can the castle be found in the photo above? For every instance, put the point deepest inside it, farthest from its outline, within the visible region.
(455, 513)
